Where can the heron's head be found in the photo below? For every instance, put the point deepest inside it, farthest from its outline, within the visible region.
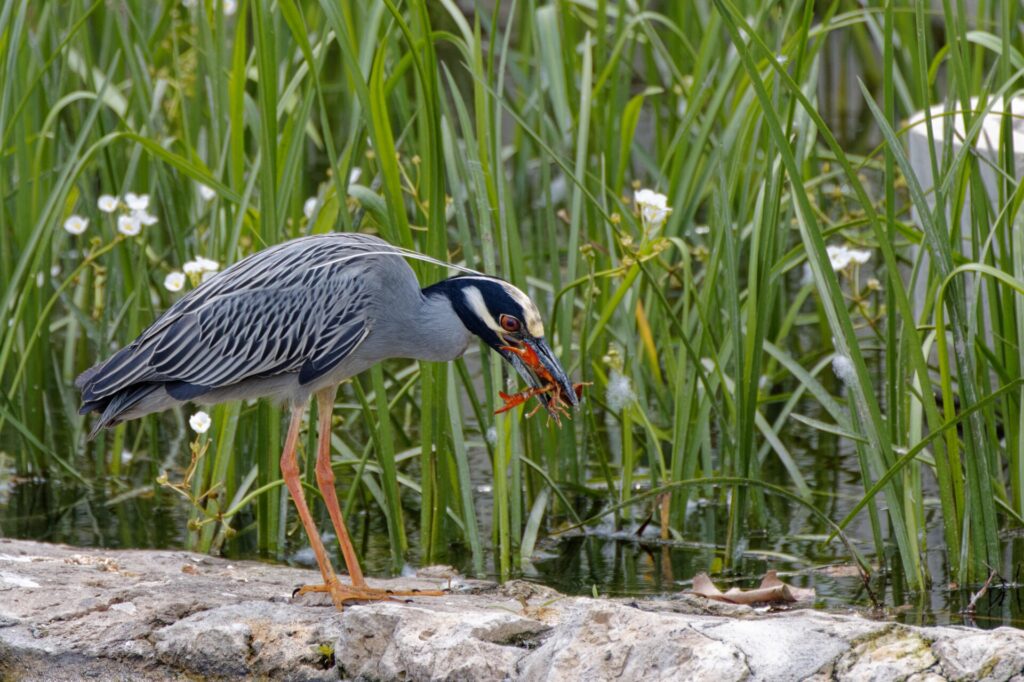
(507, 320)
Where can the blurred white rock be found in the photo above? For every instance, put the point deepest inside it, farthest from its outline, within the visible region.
(947, 121)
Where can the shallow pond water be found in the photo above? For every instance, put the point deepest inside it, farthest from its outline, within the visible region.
(631, 561)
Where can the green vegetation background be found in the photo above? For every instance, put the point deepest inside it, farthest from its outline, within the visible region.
(511, 136)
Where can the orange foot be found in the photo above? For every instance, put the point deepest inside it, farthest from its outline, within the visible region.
(341, 593)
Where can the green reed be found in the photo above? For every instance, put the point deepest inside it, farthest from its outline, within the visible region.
(512, 139)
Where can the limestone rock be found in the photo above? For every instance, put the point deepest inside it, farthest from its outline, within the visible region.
(893, 654)
(449, 641)
(992, 655)
(798, 645)
(607, 641)
(252, 638)
(69, 613)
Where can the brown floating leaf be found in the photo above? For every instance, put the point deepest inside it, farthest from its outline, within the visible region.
(772, 590)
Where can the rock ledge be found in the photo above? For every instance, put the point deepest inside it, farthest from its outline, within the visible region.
(67, 612)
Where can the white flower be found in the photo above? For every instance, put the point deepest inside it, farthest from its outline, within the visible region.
(206, 192)
(492, 435)
(842, 257)
(354, 175)
(145, 217)
(126, 456)
(229, 7)
(653, 207)
(129, 225)
(174, 281)
(200, 266)
(55, 270)
(843, 367)
(200, 422)
(108, 203)
(40, 279)
(206, 264)
(839, 256)
(137, 202)
(859, 256)
(309, 208)
(76, 224)
(619, 392)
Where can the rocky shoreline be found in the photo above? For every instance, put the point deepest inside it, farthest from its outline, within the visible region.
(70, 613)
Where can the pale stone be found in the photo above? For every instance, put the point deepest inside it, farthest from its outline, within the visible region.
(601, 641)
(993, 655)
(138, 615)
(892, 654)
(449, 641)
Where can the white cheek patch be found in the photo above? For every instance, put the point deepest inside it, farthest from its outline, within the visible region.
(475, 301)
(534, 325)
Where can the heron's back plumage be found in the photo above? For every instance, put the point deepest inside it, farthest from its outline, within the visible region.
(297, 309)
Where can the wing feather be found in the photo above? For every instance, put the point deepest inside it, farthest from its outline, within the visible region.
(297, 307)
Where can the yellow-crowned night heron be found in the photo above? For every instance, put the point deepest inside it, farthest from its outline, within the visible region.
(297, 319)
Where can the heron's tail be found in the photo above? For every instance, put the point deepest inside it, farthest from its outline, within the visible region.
(113, 408)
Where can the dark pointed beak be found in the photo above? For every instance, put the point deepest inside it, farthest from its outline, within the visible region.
(548, 364)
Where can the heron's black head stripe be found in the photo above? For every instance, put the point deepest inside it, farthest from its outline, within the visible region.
(481, 301)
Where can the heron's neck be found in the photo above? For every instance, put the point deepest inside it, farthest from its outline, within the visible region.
(445, 337)
(430, 329)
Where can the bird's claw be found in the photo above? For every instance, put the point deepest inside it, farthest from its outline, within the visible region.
(341, 593)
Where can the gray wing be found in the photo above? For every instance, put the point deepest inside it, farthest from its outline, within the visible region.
(298, 307)
(260, 333)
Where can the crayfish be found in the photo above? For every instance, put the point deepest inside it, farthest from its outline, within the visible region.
(556, 404)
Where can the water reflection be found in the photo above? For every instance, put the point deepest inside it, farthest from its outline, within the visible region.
(615, 567)
(75, 515)
(618, 560)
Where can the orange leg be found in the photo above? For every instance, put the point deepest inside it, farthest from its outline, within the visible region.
(290, 473)
(358, 590)
(325, 480)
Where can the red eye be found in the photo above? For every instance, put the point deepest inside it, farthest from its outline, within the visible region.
(509, 323)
